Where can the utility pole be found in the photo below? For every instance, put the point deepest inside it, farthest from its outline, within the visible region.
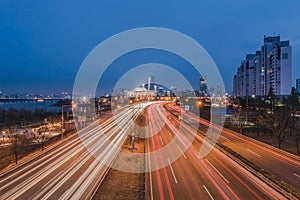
(62, 121)
(63, 130)
(132, 129)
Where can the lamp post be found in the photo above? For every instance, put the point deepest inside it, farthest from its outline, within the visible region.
(62, 121)
(200, 106)
(62, 117)
(132, 124)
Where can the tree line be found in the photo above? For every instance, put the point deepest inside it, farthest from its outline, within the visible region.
(278, 121)
(13, 117)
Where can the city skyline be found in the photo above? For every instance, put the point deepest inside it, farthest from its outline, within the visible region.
(44, 44)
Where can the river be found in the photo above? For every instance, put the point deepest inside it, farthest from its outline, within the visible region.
(30, 105)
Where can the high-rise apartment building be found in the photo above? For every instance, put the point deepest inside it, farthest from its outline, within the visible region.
(269, 67)
(298, 86)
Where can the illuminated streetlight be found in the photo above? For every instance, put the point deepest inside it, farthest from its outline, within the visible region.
(74, 105)
(200, 103)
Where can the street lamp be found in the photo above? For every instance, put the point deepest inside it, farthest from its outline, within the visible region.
(62, 116)
(200, 103)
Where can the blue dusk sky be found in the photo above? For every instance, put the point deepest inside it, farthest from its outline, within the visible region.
(43, 43)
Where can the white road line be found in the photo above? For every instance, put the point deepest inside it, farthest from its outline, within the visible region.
(181, 151)
(217, 171)
(43, 173)
(208, 192)
(225, 138)
(296, 175)
(169, 132)
(172, 171)
(151, 189)
(253, 153)
(161, 140)
(64, 194)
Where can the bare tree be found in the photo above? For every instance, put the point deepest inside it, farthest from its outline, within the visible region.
(18, 144)
(293, 102)
(41, 133)
(278, 122)
(261, 121)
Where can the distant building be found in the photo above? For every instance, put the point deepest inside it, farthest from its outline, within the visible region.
(150, 81)
(151, 89)
(235, 85)
(140, 91)
(174, 91)
(203, 86)
(298, 86)
(269, 67)
(145, 90)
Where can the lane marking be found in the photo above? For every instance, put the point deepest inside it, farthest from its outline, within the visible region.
(64, 194)
(217, 171)
(208, 192)
(169, 132)
(181, 151)
(296, 175)
(172, 171)
(254, 153)
(55, 164)
(161, 140)
(150, 172)
(225, 138)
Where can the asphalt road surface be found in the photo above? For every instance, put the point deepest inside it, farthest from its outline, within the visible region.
(281, 164)
(73, 169)
(190, 176)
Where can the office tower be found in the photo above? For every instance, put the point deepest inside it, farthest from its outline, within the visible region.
(203, 86)
(150, 81)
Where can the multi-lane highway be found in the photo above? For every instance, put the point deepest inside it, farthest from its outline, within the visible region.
(73, 169)
(283, 165)
(191, 177)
